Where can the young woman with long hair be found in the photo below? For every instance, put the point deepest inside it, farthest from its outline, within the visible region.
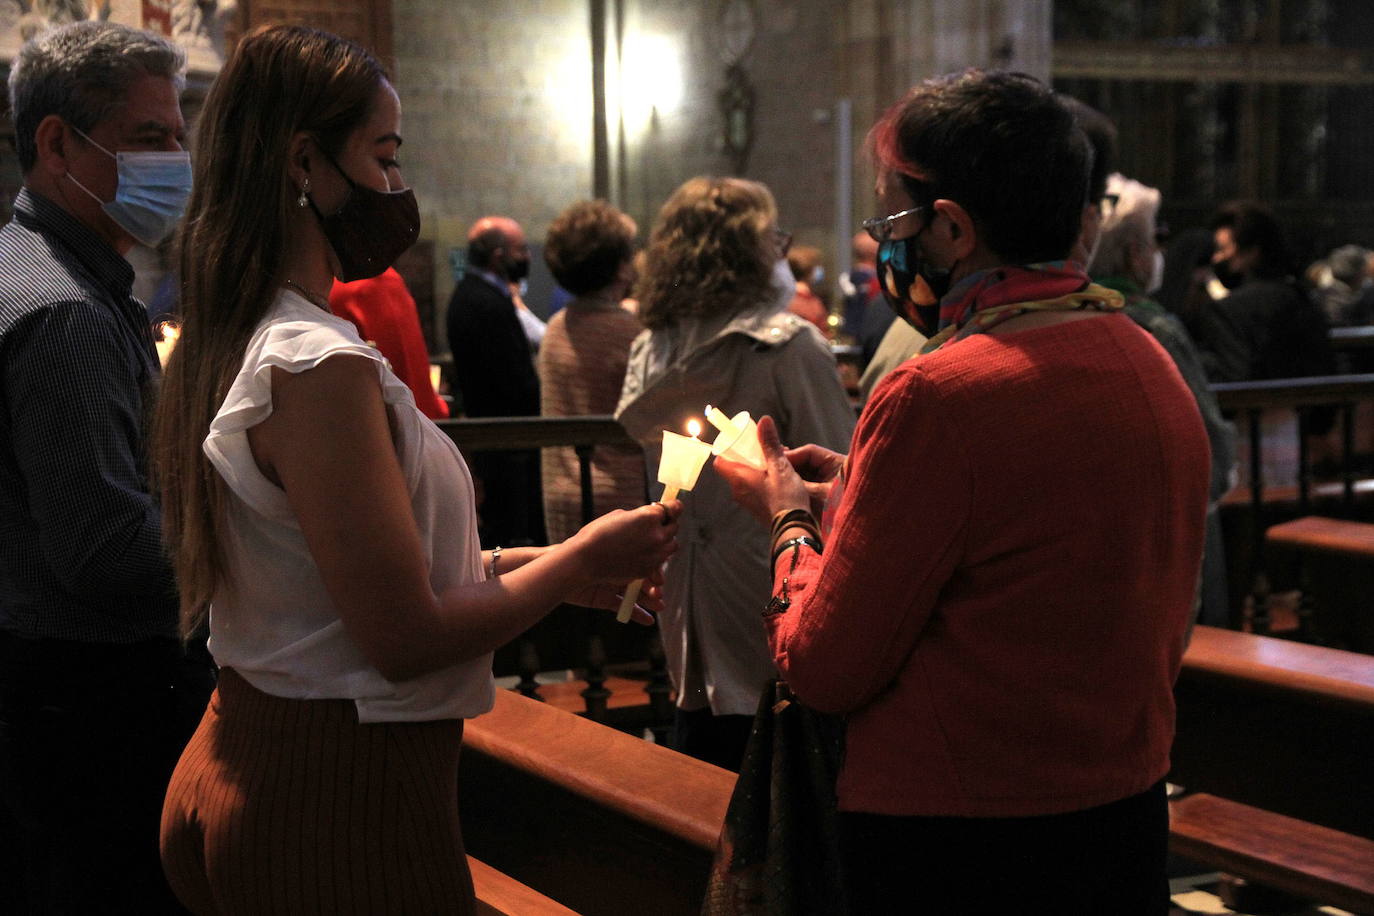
(323, 524)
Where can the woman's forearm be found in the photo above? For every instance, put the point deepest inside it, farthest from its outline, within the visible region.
(512, 558)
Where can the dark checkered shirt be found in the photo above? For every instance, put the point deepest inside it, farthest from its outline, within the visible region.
(81, 554)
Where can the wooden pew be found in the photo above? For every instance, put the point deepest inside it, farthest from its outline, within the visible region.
(603, 822)
(1248, 403)
(499, 894)
(600, 821)
(1279, 725)
(1302, 859)
(570, 637)
(1335, 561)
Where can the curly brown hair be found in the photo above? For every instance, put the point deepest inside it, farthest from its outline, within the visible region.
(587, 244)
(711, 251)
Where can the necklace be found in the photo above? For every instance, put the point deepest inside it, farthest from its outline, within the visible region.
(315, 298)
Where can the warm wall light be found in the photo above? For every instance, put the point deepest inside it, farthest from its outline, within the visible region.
(650, 78)
(567, 81)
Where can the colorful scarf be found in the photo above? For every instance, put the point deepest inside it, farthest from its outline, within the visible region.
(985, 299)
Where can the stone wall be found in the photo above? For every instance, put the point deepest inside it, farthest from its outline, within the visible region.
(498, 106)
(489, 115)
(498, 109)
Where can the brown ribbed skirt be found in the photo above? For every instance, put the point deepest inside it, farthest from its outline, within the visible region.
(292, 806)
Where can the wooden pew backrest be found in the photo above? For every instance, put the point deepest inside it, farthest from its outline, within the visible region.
(498, 894)
(1291, 855)
(1279, 725)
(601, 821)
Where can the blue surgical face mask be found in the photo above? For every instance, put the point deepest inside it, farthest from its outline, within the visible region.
(151, 193)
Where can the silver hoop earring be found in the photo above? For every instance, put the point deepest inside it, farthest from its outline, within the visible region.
(305, 190)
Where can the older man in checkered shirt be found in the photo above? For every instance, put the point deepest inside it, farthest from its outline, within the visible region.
(97, 696)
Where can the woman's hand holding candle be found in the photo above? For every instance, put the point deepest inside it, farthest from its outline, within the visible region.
(818, 467)
(624, 545)
(606, 596)
(678, 469)
(777, 487)
(738, 439)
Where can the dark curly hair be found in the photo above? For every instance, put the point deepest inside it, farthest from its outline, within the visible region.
(587, 244)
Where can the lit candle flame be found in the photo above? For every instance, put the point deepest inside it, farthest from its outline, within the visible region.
(168, 332)
(693, 428)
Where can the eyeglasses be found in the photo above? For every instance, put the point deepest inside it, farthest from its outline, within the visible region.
(879, 228)
(783, 239)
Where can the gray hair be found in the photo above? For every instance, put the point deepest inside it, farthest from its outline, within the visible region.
(1348, 264)
(1130, 212)
(81, 73)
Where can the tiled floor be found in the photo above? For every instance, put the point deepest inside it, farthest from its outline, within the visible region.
(1195, 894)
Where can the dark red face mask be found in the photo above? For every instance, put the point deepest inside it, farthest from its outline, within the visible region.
(371, 230)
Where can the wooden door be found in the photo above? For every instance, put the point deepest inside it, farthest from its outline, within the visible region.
(368, 22)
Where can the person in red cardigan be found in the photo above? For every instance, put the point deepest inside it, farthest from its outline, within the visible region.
(999, 603)
(384, 312)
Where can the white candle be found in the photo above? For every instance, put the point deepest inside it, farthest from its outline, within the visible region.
(678, 468)
(682, 460)
(720, 421)
(742, 443)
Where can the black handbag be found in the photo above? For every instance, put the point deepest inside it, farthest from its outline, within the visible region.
(778, 852)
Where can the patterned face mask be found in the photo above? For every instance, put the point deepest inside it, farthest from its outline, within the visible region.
(910, 284)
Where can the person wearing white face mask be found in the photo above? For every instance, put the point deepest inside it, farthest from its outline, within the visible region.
(713, 295)
(1127, 259)
(97, 696)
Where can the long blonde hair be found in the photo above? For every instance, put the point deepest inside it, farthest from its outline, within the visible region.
(279, 81)
(711, 251)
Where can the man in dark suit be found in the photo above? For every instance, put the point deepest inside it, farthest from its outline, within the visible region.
(495, 375)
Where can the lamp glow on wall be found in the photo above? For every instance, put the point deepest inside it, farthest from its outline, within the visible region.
(566, 95)
(650, 78)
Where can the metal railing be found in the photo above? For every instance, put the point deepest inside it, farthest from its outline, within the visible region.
(1299, 394)
(582, 434)
(1307, 397)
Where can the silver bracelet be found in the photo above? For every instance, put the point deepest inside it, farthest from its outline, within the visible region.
(495, 555)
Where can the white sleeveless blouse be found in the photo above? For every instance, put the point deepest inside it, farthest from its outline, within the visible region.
(274, 622)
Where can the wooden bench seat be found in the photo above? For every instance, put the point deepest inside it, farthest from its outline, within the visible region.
(1334, 568)
(1279, 725)
(1324, 535)
(498, 894)
(1266, 665)
(1275, 741)
(1281, 852)
(596, 819)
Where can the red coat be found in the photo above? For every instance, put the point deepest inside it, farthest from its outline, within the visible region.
(808, 305)
(384, 313)
(1002, 602)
